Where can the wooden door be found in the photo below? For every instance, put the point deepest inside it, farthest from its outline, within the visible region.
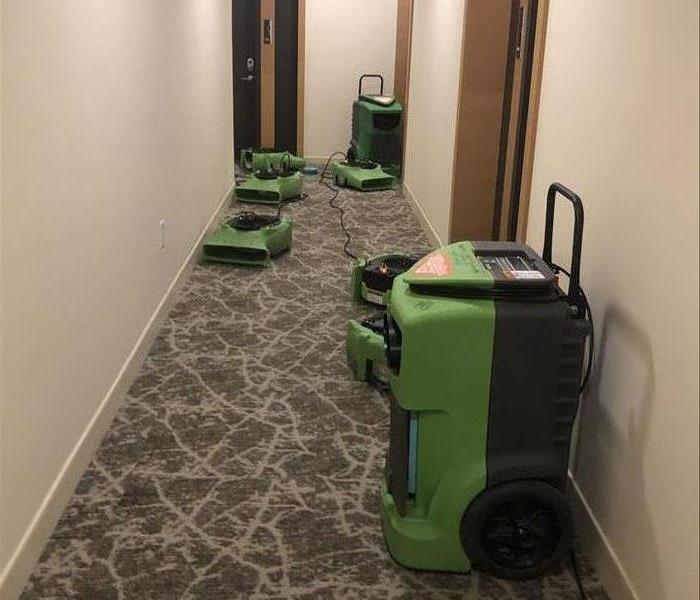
(487, 33)
(268, 83)
(516, 108)
(498, 101)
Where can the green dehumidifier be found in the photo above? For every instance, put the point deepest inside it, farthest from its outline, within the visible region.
(376, 128)
(485, 356)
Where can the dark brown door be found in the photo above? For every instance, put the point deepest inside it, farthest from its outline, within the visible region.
(286, 72)
(246, 74)
(265, 71)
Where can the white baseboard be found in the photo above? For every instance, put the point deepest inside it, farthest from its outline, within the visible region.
(422, 217)
(24, 558)
(598, 548)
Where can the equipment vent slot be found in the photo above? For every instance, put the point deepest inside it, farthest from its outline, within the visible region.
(386, 121)
(379, 183)
(250, 194)
(229, 254)
(569, 379)
(397, 462)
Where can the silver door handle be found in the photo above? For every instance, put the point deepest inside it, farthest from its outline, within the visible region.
(248, 78)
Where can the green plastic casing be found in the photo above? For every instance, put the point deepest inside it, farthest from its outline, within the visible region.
(363, 179)
(253, 248)
(444, 379)
(356, 279)
(375, 142)
(270, 191)
(263, 159)
(365, 353)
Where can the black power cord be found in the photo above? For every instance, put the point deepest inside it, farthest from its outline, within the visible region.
(248, 220)
(584, 383)
(335, 191)
(589, 317)
(331, 202)
(251, 221)
(577, 575)
(324, 171)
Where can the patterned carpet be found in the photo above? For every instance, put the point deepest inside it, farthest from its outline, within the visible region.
(245, 462)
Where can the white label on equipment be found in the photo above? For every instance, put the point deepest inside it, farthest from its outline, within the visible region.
(527, 275)
(373, 297)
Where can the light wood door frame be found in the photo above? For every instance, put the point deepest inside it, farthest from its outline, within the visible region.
(482, 90)
(484, 122)
(402, 61)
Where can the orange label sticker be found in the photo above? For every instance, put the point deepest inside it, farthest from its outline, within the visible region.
(436, 264)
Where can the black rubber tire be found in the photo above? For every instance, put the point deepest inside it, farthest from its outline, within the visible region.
(495, 508)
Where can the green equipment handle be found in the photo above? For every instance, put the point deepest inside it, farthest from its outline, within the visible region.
(373, 76)
(247, 159)
(286, 162)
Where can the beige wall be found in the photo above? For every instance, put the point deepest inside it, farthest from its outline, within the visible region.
(619, 124)
(432, 114)
(115, 115)
(343, 41)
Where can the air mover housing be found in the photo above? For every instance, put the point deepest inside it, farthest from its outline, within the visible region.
(372, 278)
(264, 159)
(376, 127)
(248, 239)
(485, 354)
(270, 187)
(362, 175)
(364, 349)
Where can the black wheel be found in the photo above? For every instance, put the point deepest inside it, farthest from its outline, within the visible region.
(517, 530)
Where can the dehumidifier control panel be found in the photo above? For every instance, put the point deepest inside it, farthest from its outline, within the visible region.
(510, 267)
(513, 263)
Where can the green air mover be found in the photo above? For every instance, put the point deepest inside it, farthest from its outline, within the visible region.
(362, 175)
(485, 354)
(376, 128)
(364, 347)
(370, 280)
(248, 239)
(270, 187)
(264, 159)
(373, 277)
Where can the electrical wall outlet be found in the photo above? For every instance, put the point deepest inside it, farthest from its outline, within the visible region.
(161, 233)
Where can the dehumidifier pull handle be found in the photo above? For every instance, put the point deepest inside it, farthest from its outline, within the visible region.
(373, 76)
(554, 189)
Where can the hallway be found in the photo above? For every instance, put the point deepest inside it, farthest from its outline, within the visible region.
(245, 462)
